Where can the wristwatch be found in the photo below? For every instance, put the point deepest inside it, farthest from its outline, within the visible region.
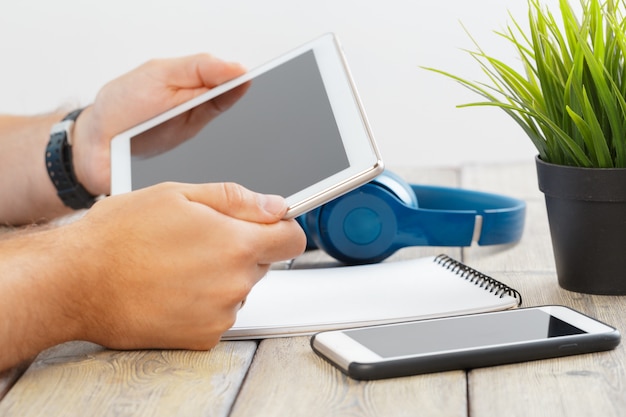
(60, 166)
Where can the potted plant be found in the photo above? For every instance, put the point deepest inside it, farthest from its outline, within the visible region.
(570, 98)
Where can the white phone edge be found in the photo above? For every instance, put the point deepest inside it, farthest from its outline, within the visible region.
(363, 154)
(343, 350)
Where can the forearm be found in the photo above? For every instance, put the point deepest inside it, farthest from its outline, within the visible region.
(35, 296)
(26, 193)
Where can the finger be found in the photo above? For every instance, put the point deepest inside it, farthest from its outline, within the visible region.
(225, 101)
(237, 201)
(201, 70)
(279, 242)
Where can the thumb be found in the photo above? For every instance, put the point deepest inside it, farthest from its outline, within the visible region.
(237, 201)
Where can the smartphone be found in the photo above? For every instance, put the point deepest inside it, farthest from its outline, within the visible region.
(463, 342)
(293, 126)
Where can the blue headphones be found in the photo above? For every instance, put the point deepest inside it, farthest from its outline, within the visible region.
(372, 222)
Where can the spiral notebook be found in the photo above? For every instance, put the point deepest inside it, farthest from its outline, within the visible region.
(305, 301)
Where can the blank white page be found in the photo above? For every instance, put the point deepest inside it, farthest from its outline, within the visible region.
(304, 301)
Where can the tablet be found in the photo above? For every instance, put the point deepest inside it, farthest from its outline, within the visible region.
(293, 127)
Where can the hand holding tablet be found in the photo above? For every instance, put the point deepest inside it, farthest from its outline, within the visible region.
(293, 127)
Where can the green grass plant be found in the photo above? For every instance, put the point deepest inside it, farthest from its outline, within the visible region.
(570, 95)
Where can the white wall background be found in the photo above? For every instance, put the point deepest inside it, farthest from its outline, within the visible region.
(55, 52)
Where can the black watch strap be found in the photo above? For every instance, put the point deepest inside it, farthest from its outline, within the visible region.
(61, 168)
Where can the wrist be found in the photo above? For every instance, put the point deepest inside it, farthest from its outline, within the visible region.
(91, 154)
(61, 167)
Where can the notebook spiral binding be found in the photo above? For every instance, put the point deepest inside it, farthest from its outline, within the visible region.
(478, 278)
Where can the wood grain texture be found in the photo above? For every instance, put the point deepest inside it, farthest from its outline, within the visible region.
(582, 385)
(82, 379)
(288, 379)
(533, 253)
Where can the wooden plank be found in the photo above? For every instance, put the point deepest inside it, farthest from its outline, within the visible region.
(516, 180)
(447, 176)
(533, 253)
(83, 379)
(288, 379)
(574, 387)
(581, 385)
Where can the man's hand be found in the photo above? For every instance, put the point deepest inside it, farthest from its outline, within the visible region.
(139, 95)
(163, 267)
(29, 195)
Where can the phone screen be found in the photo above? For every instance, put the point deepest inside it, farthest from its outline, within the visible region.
(461, 333)
(275, 134)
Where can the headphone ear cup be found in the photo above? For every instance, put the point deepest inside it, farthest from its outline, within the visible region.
(396, 185)
(370, 223)
(359, 227)
(309, 223)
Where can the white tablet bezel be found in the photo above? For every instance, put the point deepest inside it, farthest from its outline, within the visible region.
(365, 161)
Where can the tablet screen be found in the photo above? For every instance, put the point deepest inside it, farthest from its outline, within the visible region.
(278, 137)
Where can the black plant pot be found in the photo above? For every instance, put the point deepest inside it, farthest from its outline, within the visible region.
(587, 215)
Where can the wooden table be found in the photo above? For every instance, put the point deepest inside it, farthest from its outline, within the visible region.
(283, 377)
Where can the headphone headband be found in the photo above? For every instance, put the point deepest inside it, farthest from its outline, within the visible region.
(458, 216)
